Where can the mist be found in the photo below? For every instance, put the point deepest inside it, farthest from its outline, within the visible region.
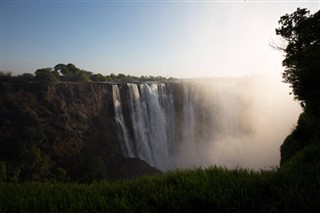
(232, 122)
(265, 114)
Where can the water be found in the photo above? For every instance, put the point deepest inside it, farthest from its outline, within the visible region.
(187, 124)
(122, 131)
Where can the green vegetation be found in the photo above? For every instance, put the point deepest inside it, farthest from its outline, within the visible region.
(71, 73)
(293, 188)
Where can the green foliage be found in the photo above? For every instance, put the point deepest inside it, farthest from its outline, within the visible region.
(46, 75)
(70, 73)
(215, 189)
(301, 31)
(98, 77)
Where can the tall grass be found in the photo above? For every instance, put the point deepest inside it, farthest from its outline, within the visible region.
(293, 188)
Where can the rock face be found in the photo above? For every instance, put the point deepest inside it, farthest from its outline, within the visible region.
(77, 120)
(85, 114)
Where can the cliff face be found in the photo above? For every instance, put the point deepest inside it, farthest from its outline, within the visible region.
(70, 111)
(75, 122)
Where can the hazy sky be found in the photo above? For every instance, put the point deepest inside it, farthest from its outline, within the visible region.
(168, 38)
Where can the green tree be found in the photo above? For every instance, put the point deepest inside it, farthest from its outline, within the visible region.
(71, 73)
(301, 32)
(80, 76)
(98, 77)
(62, 68)
(46, 75)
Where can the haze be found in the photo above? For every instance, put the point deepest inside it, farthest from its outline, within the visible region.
(183, 39)
(267, 114)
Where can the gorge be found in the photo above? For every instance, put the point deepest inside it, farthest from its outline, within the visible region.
(90, 131)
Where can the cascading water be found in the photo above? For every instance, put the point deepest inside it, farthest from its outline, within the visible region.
(174, 125)
(126, 145)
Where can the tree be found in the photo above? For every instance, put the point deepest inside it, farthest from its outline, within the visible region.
(27, 76)
(301, 31)
(71, 73)
(97, 77)
(62, 68)
(46, 75)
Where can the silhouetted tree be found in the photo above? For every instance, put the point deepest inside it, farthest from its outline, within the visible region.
(27, 76)
(301, 31)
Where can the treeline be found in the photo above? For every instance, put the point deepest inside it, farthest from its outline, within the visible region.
(71, 73)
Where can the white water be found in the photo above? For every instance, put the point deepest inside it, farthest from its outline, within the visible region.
(238, 123)
(126, 144)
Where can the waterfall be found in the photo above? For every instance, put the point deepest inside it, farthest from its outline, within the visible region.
(149, 123)
(126, 145)
(184, 124)
(153, 122)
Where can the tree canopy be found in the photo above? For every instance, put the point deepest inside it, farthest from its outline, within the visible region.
(71, 73)
(301, 32)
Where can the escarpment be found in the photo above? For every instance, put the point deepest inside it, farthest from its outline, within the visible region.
(69, 123)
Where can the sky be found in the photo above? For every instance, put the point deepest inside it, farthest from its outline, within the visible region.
(182, 39)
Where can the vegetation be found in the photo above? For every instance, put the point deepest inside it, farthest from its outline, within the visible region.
(293, 188)
(30, 148)
(301, 31)
(71, 73)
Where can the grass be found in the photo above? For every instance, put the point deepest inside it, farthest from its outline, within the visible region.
(295, 187)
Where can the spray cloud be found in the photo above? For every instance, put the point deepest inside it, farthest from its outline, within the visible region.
(230, 122)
